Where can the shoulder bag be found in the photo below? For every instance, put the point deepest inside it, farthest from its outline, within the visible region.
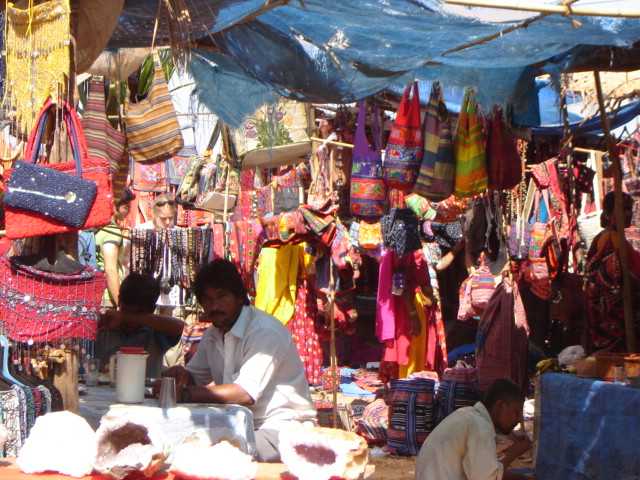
(153, 132)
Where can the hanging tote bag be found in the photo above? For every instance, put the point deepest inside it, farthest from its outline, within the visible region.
(404, 148)
(153, 131)
(469, 148)
(103, 141)
(22, 223)
(438, 168)
(368, 191)
(504, 165)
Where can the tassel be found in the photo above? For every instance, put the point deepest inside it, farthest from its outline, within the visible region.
(38, 61)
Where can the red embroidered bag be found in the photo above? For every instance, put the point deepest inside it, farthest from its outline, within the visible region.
(405, 147)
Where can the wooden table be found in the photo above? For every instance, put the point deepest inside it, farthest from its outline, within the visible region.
(9, 471)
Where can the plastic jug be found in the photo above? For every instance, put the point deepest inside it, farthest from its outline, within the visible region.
(130, 374)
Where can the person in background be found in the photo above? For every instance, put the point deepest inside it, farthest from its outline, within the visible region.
(604, 292)
(245, 357)
(463, 445)
(110, 243)
(164, 213)
(134, 324)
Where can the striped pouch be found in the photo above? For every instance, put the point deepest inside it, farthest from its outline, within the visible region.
(411, 415)
(153, 131)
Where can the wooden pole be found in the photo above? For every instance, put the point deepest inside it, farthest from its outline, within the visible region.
(527, 6)
(629, 323)
(333, 360)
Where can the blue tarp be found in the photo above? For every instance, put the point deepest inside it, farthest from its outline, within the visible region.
(589, 430)
(344, 50)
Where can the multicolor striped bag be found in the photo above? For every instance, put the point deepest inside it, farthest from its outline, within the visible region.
(438, 169)
(411, 414)
(153, 131)
(469, 147)
(404, 148)
(104, 141)
(457, 389)
(368, 191)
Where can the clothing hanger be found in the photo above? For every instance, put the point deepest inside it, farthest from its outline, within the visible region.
(4, 344)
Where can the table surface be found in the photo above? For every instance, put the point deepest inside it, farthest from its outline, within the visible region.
(9, 471)
(266, 471)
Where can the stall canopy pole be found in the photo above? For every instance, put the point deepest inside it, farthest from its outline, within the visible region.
(332, 347)
(528, 6)
(619, 217)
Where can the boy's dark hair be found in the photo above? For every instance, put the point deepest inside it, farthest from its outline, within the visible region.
(141, 291)
(502, 389)
(220, 274)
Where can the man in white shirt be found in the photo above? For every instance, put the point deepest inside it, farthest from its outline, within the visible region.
(246, 357)
(463, 445)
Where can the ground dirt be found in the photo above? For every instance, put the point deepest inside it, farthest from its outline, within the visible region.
(394, 468)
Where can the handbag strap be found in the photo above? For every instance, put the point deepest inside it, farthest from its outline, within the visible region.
(75, 134)
(360, 141)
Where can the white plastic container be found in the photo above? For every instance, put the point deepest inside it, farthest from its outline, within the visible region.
(130, 377)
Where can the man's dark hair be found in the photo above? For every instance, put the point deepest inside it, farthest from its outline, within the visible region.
(141, 291)
(502, 389)
(220, 274)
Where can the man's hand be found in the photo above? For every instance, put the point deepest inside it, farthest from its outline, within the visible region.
(521, 444)
(111, 320)
(182, 376)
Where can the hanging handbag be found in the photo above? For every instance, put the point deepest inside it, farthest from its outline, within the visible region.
(438, 168)
(538, 278)
(39, 306)
(400, 231)
(368, 191)
(539, 229)
(420, 206)
(103, 141)
(404, 148)
(153, 132)
(519, 230)
(178, 165)
(469, 148)
(21, 223)
(482, 287)
(504, 165)
(369, 235)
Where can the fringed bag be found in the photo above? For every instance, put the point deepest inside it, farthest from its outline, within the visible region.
(38, 40)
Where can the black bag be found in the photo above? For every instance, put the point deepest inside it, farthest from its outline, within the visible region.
(400, 231)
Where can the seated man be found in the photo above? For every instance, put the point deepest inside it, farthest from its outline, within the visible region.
(245, 357)
(463, 445)
(135, 325)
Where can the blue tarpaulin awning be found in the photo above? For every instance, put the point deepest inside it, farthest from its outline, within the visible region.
(332, 51)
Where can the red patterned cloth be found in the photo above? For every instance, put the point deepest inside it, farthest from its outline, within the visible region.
(302, 328)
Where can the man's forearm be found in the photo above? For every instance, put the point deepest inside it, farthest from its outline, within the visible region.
(167, 325)
(225, 393)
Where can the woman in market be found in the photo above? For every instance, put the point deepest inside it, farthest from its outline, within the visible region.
(110, 245)
(246, 357)
(605, 304)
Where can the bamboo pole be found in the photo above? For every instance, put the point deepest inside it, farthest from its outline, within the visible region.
(528, 6)
(332, 142)
(630, 332)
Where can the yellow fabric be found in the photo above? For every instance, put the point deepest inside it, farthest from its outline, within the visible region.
(277, 281)
(418, 347)
(38, 57)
